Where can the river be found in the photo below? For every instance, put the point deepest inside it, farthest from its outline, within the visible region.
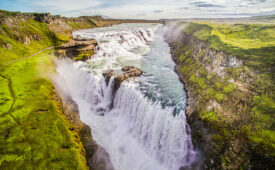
(146, 128)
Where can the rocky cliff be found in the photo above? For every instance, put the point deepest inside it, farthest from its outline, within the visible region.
(231, 122)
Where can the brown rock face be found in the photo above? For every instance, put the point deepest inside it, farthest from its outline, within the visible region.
(27, 39)
(96, 156)
(79, 42)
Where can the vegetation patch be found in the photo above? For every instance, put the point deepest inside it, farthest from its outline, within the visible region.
(83, 56)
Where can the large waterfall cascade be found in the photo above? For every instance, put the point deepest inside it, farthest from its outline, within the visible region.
(146, 128)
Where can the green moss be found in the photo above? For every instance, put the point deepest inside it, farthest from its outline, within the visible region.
(84, 55)
(220, 97)
(229, 88)
(218, 85)
(93, 22)
(182, 57)
(209, 116)
(81, 24)
(8, 13)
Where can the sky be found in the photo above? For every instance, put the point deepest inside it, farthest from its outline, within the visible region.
(145, 9)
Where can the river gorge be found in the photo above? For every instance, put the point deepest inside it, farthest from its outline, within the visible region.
(142, 125)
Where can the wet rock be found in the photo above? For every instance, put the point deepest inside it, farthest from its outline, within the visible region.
(131, 71)
(128, 71)
(79, 38)
(108, 74)
(96, 156)
(101, 160)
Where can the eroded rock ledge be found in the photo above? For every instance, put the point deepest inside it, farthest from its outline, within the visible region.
(128, 71)
(78, 49)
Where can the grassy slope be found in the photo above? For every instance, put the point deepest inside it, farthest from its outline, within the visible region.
(34, 132)
(255, 45)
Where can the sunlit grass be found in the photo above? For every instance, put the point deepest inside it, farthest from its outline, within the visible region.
(254, 43)
(34, 133)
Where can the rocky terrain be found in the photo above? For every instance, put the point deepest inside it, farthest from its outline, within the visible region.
(78, 49)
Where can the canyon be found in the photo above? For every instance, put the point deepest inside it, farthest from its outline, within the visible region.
(131, 94)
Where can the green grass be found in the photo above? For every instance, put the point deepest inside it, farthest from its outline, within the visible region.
(34, 132)
(84, 24)
(254, 43)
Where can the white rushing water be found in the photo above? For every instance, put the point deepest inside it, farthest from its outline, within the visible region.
(146, 129)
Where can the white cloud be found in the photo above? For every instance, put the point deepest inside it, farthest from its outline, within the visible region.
(64, 5)
(156, 9)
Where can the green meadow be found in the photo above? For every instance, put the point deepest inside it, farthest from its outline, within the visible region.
(34, 133)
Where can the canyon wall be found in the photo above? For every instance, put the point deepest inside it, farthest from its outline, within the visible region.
(226, 107)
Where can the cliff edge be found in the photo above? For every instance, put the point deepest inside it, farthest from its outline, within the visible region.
(228, 72)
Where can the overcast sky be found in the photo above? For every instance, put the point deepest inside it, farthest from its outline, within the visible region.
(145, 9)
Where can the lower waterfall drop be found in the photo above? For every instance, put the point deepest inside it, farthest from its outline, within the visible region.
(146, 128)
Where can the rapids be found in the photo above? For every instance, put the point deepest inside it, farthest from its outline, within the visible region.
(146, 129)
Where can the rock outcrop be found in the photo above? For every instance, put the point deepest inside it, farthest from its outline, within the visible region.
(128, 71)
(78, 49)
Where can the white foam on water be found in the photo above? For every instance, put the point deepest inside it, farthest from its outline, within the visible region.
(138, 133)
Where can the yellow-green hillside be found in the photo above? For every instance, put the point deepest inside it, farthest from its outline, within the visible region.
(254, 43)
(34, 133)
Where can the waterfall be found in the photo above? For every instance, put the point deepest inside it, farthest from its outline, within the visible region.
(138, 132)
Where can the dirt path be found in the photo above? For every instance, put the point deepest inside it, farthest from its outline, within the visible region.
(10, 84)
(32, 55)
